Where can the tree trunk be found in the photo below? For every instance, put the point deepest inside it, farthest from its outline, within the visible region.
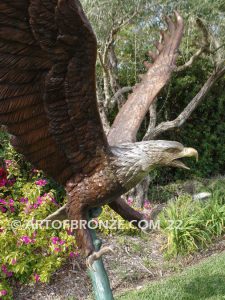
(140, 193)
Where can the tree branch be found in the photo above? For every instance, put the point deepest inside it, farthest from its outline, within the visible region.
(218, 52)
(102, 111)
(189, 63)
(179, 121)
(114, 31)
(152, 118)
(59, 214)
(204, 47)
(126, 21)
(120, 92)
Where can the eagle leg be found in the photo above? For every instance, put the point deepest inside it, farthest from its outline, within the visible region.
(129, 214)
(79, 224)
(84, 237)
(121, 207)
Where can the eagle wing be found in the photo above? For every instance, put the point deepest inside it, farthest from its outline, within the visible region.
(48, 88)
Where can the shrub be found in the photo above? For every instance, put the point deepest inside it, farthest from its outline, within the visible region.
(28, 253)
(117, 225)
(191, 225)
(204, 130)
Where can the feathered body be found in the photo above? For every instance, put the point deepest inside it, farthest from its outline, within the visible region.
(48, 104)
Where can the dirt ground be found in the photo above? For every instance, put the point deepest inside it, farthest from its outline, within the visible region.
(136, 261)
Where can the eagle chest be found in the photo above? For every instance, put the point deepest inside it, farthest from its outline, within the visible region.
(96, 190)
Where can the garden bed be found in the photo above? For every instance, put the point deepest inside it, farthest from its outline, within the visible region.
(136, 261)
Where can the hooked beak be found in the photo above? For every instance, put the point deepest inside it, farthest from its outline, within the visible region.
(186, 152)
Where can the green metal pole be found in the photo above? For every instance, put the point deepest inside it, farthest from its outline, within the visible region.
(98, 275)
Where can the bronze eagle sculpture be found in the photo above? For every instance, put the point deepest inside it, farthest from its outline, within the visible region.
(48, 105)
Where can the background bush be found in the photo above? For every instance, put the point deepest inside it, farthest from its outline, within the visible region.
(28, 253)
(190, 225)
(204, 130)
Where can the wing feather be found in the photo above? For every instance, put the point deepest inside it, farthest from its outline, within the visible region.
(47, 86)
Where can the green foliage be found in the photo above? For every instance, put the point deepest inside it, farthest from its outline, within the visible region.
(191, 225)
(29, 252)
(204, 130)
(162, 193)
(117, 225)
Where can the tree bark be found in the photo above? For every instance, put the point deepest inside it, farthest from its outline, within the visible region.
(140, 192)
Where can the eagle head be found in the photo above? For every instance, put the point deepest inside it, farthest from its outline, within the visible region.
(133, 161)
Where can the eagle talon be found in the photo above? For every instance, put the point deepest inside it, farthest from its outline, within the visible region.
(89, 263)
(97, 255)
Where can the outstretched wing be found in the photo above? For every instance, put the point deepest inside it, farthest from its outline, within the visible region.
(128, 121)
(47, 86)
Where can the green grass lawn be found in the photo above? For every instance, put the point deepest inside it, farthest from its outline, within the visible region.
(203, 281)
